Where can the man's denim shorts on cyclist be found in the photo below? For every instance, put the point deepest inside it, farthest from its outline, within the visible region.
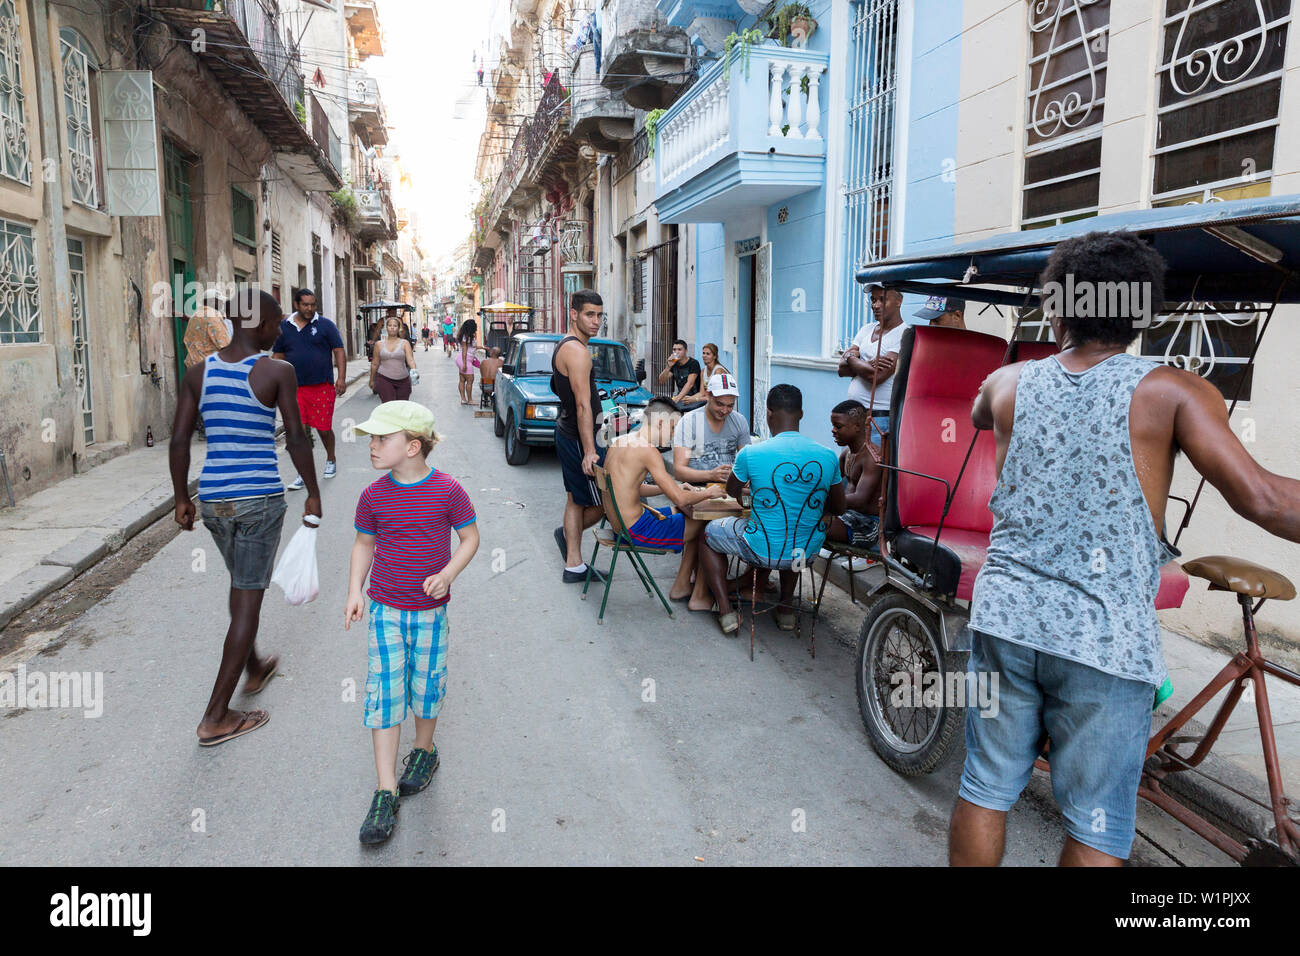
(1098, 725)
(247, 533)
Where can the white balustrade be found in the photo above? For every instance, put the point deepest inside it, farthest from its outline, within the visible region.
(702, 125)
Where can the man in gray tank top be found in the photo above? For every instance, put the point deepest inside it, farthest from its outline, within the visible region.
(1063, 609)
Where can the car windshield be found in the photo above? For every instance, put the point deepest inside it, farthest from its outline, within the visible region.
(611, 360)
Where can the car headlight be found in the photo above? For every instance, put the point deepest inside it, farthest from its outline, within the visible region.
(548, 412)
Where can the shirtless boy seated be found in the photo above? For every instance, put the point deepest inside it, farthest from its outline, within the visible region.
(629, 459)
(860, 463)
(488, 368)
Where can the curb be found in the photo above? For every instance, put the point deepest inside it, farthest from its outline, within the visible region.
(82, 553)
(89, 548)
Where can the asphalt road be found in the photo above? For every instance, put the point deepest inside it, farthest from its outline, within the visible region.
(553, 748)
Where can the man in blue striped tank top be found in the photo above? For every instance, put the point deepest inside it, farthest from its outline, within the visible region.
(1063, 611)
(237, 391)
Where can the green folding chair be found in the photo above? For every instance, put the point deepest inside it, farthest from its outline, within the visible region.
(620, 541)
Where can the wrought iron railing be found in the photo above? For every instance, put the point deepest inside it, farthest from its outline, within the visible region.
(322, 131)
(551, 111)
(636, 153)
(282, 61)
(510, 171)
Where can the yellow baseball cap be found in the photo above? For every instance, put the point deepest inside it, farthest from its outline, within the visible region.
(398, 417)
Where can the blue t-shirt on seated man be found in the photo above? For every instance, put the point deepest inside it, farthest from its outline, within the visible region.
(795, 485)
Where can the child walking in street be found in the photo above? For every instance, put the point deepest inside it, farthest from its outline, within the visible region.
(404, 522)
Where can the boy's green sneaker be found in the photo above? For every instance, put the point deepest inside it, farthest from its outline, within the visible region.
(381, 819)
(420, 765)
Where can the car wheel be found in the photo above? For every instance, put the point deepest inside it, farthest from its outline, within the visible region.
(516, 450)
(498, 428)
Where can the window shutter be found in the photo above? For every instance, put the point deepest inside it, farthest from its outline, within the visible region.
(131, 144)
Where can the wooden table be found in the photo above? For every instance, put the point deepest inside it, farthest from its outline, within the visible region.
(715, 508)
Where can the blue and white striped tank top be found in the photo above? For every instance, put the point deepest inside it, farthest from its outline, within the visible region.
(241, 459)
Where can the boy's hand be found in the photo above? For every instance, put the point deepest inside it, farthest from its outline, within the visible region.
(352, 612)
(437, 585)
(185, 513)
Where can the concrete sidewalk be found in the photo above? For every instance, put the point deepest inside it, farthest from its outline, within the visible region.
(49, 538)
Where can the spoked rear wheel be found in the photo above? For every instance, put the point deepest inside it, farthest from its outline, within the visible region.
(901, 676)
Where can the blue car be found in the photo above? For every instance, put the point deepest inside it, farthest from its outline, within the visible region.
(523, 405)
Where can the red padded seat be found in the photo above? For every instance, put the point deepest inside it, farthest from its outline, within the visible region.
(939, 374)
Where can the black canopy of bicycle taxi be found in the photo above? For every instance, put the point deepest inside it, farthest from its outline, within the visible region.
(1239, 256)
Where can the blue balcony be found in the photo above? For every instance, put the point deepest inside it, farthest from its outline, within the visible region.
(742, 137)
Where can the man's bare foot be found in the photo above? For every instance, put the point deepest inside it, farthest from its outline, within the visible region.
(701, 606)
(675, 595)
(236, 724)
(260, 677)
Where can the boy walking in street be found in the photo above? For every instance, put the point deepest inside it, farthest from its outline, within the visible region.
(404, 522)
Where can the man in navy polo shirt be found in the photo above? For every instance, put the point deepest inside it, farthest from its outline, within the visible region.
(312, 345)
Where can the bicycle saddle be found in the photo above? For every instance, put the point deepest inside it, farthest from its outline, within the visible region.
(1244, 577)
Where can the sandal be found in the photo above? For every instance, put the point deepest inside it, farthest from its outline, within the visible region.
(258, 718)
(730, 623)
(251, 687)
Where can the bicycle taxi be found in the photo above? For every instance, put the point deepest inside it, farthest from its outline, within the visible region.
(1239, 256)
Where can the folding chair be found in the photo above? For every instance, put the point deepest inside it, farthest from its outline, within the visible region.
(618, 539)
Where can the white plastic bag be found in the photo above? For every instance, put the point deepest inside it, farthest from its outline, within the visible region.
(296, 573)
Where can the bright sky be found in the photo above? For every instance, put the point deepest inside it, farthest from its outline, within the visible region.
(435, 107)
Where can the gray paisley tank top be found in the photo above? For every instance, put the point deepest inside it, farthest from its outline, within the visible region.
(1074, 558)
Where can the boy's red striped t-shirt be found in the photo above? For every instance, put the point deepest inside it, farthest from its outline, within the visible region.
(412, 526)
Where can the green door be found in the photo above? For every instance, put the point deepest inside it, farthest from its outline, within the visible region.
(179, 209)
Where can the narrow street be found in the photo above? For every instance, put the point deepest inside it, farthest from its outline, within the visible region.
(554, 749)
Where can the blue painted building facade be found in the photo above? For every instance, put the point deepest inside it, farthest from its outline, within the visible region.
(793, 169)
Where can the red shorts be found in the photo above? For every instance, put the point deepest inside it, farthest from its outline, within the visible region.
(316, 405)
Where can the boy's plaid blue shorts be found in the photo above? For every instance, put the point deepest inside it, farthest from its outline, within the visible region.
(407, 666)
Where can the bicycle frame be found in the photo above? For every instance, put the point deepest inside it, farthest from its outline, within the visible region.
(1252, 666)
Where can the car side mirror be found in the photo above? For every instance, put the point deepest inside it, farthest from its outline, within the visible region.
(507, 370)
(640, 370)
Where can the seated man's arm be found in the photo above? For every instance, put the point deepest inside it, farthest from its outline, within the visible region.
(680, 497)
(682, 469)
(735, 486)
(835, 500)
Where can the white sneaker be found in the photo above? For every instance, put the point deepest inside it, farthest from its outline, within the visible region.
(298, 484)
(825, 555)
(331, 469)
(855, 564)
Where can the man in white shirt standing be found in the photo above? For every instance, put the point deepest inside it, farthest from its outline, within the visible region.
(873, 358)
(705, 444)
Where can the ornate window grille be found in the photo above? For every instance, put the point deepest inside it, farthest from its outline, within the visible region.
(81, 336)
(869, 164)
(1068, 57)
(20, 291)
(15, 158)
(1220, 83)
(79, 67)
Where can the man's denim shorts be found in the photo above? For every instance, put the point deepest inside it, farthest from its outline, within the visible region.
(727, 536)
(1098, 725)
(247, 533)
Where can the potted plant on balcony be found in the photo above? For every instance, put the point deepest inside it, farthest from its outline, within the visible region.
(742, 42)
(652, 127)
(791, 24)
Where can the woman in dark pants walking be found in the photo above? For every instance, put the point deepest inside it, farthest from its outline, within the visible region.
(391, 363)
